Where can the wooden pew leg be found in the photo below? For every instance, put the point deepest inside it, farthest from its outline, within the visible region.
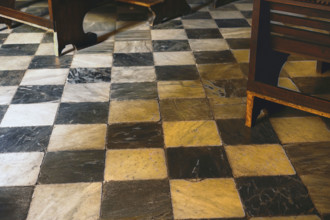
(9, 4)
(169, 9)
(68, 17)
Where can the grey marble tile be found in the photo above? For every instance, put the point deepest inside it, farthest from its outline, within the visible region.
(50, 62)
(24, 139)
(170, 45)
(133, 74)
(104, 47)
(173, 24)
(89, 75)
(3, 109)
(133, 59)
(143, 90)
(178, 72)
(205, 57)
(72, 167)
(37, 94)
(211, 33)
(18, 49)
(230, 23)
(133, 35)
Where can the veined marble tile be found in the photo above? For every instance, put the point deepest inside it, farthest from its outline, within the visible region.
(301, 217)
(171, 24)
(78, 137)
(226, 14)
(20, 169)
(230, 110)
(287, 83)
(30, 115)
(11, 78)
(135, 164)
(46, 49)
(102, 47)
(66, 201)
(199, 23)
(208, 44)
(86, 92)
(92, 60)
(242, 56)
(132, 25)
(6, 94)
(209, 198)
(220, 71)
(89, 75)
(133, 74)
(173, 58)
(180, 89)
(133, 47)
(236, 32)
(134, 111)
(45, 77)
(258, 160)
(133, 35)
(14, 62)
(300, 129)
(24, 38)
(171, 34)
(191, 133)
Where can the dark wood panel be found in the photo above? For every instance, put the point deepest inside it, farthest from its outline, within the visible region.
(302, 4)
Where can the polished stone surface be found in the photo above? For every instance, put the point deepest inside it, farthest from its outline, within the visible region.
(225, 88)
(50, 62)
(142, 90)
(180, 89)
(170, 45)
(89, 75)
(206, 57)
(11, 78)
(173, 58)
(45, 77)
(133, 74)
(86, 92)
(133, 59)
(177, 72)
(37, 94)
(220, 71)
(228, 108)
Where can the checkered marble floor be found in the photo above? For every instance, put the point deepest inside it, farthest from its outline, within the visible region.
(149, 124)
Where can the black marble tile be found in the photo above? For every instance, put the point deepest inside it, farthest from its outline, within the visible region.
(313, 85)
(198, 15)
(3, 37)
(137, 135)
(72, 167)
(197, 163)
(133, 59)
(234, 131)
(37, 94)
(11, 77)
(82, 113)
(48, 38)
(208, 33)
(27, 29)
(132, 17)
(204, 57)
(226, 88)
(18, 49)
(3, 109)
(239, 43)
(24, 139)
(89, 75)
(170, 45)
(50, 62)
(274, 196)
(143, 90)
(15, 202)
(188, 72)
(231, 23)
(247, 14)
(144, 199)
(172, 24)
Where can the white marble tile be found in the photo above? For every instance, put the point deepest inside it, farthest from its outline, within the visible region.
(24, 38)
(6, 94)
(66, 202)
(92, 60)
(199, 23)
(20, 169)
(173, 58)
(86, 92)
(30, 115)
(236, 32)
(133, 46)
(208, 44)
(45, 77)
(15, 62)
(77, 137)
(46, 49)
(226, 14)
(133, 74)
(176, 34)
(132, 25)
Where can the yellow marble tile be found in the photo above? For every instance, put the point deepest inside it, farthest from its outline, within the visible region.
(258, 160)
(220, 71)
(210, 198)
(191, 133)
(287, 83)
(135, 164)
(226, 108)
(180, 89)
(242, 56)
(302, 217)
(319, 191)
(300, 129)
(134, 111)
(302, 68)
(78, 137)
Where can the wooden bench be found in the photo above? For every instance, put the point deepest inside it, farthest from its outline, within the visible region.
(280, 28)
(66, 18)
